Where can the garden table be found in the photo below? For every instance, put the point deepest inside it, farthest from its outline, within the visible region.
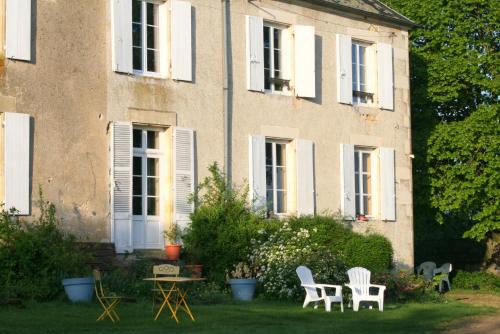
(175, 294)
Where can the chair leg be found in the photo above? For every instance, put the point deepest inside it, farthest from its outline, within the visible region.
(328, 305)
(342, 306)
(306, 302)
(355, 305)
(381, 305)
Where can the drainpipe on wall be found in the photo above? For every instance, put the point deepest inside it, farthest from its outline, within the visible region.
(227, 89)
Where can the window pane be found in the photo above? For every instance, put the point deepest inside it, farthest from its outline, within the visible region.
(137, 165)
(137, 138)
(266, 37)
(153, 206)
(362, 55)
(366, 205)
(137, 205)
(366, 162)
(358, 208)
(281, 178)
(270, 201)
(365, 184)
(152, 61)
(136, 11)
(153, 189)
(354, 53)
(151, 36)
(356, 183)
(267, 58)
(152, 14)
(277, 34)
(152, 139)
(277, 65)
(356, 161)
(281, 201)
(137, 58)
(269, 153)
(137, 186)
(136, 34)
(267, 79)
(153, 167)
(269, 177)
(280, 154)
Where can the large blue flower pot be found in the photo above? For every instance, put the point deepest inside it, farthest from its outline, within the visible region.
(243, 288)
(79, 289)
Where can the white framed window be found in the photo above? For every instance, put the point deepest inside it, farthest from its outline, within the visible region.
(361, 90)
(276, 177)
(145, 37)
(146, 175)
(274, 53)
(363, 181)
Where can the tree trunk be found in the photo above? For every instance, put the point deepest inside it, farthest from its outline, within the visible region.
(491, 261)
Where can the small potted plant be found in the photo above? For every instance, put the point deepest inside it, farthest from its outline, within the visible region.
(193, 266)
(244, 281)
(173, 245)
(362, 218)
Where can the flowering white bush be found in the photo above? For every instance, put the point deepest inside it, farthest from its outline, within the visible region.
(281, 251)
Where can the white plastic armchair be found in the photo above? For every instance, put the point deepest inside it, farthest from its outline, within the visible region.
(359, 283)
(445, 270)
(307, 282)
(427, 268)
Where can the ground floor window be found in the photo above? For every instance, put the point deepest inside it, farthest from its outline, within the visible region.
(276, 177)
(363, 181)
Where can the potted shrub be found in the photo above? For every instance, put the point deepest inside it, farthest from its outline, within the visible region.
(79, 287)
(193, 266)
(243, 281)
(173, 238)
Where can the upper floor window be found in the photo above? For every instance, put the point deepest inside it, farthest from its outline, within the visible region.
(361, 90)
(145, 33)
(276, 177)
(273, 58)
(363, 181)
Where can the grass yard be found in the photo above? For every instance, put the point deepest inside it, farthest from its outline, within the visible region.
(257, 317)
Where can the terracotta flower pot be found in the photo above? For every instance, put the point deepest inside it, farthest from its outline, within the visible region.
(173, 252)
(194, 269)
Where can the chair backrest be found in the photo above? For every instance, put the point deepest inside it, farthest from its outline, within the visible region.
(360, 277)
(166, 270)
(427, 268)
(444, 269)
(99, 291)
(306, 277)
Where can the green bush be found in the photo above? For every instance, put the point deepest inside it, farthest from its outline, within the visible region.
(372, 251)
(222, 226)
(478, 280)
(406, 287)
(35, 256)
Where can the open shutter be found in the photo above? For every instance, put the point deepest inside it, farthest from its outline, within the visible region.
(18, 29)
(181, 40)
(121, 27)
(344, 69)
(17, 162)
(183, 175)
(257, 168)
(305, 177)
(255, 53)
(387, 184)
(121, 185)
(385, 76)
(305, 73)
(347, 199)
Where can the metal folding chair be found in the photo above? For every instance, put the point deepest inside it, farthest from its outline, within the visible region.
(108, 302)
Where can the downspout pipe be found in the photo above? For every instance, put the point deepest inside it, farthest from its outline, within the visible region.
(227, 89)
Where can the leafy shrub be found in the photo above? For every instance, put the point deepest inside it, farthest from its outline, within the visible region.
(222, 226)
(405, 287)
(478, 280)
(128, 281)
(372, 251)
(35, 256)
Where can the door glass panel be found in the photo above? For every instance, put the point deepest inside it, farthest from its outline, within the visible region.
(153, 206)
(153, 167)
(137, 138)
(137, 205)
(153, 186)
(137, 186)
(281, 201)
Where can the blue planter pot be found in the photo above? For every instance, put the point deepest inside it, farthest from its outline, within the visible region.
(243, 288)
(79, 289)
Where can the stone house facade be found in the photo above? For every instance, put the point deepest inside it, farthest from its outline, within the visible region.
(115, 108)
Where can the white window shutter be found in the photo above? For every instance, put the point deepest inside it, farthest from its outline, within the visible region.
(18, 29)
(387, 184)
(305, 177)
(385, 76)
(183, 175)
(121, 186)
(257, 169)
(121, 29)
(347, 199)
(305, 72)
(344, 69)
(255, 53)
(181, 40)
(17, 162)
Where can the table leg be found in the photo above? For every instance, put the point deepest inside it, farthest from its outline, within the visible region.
(182, 300)
(166, 298)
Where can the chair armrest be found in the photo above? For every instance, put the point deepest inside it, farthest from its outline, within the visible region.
(381, 287)
(338, 288)
(310, 286)
(331, 286)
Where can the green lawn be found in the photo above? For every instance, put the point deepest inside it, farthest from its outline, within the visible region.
(256, 317)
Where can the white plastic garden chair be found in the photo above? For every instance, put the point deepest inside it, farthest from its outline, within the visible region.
(359, 283)
(445, 270)
(427, 268)
(307, 281)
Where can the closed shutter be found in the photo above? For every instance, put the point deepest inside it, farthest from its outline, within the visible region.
(305, 177)
(17, 162)
(183, 175)
(181, 40)
(347, 199)
(121, 185)
(257, 168)
(385, 76)
(387, 184)
(255, 53)
(121, 28)
(18, 29)
(305, 72)
(344, 69)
